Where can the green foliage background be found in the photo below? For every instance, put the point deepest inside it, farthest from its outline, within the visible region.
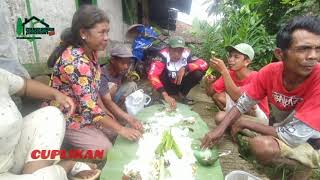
(255, 22)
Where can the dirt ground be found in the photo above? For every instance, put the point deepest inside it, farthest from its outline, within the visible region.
(205, 108)
(233, 161)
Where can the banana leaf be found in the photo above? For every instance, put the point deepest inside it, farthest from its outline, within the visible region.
(124, 151)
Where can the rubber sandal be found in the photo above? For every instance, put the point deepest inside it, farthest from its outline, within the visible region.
(187, 101)
(80, 166)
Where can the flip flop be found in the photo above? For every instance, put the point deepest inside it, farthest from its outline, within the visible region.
(80, 166)
(187, 101)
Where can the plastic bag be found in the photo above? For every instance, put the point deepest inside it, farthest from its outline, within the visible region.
(136, 101)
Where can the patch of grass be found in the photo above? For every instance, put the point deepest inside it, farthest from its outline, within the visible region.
(213, 108)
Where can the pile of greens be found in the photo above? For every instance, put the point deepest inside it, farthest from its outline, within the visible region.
(168, 143)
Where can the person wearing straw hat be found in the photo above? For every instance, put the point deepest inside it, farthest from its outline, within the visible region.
(174, 72)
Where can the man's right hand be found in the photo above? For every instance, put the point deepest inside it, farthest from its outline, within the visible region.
(212, 137)
(218, 65)
(171, 101)
(130, 133)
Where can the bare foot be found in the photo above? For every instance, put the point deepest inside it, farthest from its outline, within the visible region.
(68, 165)
(88, 173)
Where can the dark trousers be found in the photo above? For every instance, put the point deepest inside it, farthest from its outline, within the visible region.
(188, 82)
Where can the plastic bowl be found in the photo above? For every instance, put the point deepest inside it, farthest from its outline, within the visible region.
(206, 157)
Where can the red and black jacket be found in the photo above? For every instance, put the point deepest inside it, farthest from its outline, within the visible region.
(162, 62)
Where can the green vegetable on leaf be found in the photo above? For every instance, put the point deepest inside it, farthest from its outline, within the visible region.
(161, 170)
(168, 143)
(177, 150)
(210, 70)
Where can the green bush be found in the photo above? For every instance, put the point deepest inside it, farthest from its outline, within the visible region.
(237, 25)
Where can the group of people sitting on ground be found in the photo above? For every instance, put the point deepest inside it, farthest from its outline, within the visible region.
(83, 103)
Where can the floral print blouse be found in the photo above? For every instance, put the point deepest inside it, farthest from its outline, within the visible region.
(75, 75)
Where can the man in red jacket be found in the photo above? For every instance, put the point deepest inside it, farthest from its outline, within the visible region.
(174, 72)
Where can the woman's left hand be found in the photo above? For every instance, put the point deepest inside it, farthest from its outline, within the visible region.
(65, 101)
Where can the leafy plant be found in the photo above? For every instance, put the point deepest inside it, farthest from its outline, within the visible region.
(238, 25)
(301, 7)
(277, 12)
(129, 11)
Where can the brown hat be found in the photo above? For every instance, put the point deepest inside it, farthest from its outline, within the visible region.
(121, 51)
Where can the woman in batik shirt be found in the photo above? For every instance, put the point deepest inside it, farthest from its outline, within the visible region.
(76, 73)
